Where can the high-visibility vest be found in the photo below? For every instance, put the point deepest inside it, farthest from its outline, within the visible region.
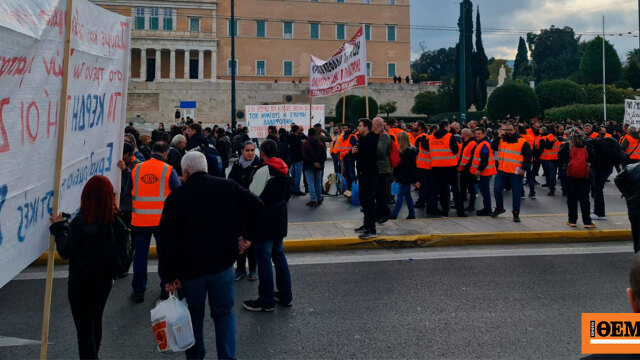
(634, 149)
(345, 146)
(475, 163)
(623, 138)
(423, 160)
(551, 154)
(530, 139)
(412, 139)
(466, 154)
(336, 144)
(394, 132)
(510, 156)
(595, 135)
(150, 189)
(440, 151)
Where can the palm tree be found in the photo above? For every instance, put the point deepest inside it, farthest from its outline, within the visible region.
(633, 55)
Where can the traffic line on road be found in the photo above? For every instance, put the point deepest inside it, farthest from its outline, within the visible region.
(11, 341)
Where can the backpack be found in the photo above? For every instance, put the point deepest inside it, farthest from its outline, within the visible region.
(214, 160)
(578, 167)
(237, 142)
(111, 255)
(394, 155)
(607, 152)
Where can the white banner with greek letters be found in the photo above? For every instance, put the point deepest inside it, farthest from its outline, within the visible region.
(632, 112)
(260, 117)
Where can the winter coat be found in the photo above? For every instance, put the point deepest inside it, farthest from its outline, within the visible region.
(406, 172)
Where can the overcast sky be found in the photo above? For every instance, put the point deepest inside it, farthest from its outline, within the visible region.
(517, 17)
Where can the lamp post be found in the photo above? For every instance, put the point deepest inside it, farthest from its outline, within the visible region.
(233, 65)
(463, 68)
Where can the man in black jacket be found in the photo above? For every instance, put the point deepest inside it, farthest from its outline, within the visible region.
(366, 155)
(198, 259)
(628, 182)
(295, 143)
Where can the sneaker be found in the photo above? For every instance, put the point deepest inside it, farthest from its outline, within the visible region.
(239, 275)
(483, 212)
(410, 217)
(254, 305)
(312, 204)
(590, 226)
(522, 196)
(276, 297)
(383, 219)
(596, 217)
(571, 224)
(253, 275)
(551, 193)
(516, 217)
(360, 230)
(497, 212)
(137, 297)
(532, 196)
(370, 234)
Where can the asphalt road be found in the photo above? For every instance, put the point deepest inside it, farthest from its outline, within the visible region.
(499, 302)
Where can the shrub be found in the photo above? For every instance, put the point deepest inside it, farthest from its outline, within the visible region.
(358, 109)
(388, 108)
(471, 115)
(514, 99)
(586, 113)
(428, 103)
(558, 93)
(593, 94)
(348, 100)
(622, 84)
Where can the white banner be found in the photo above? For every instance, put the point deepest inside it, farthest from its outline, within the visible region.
(346, 69)
(31, 57)
(632, 112)
(260, 117)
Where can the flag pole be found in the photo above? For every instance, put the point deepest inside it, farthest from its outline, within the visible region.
(62, 120)
(344, 105)
(604, 84)
(366, 97)
(311, 109)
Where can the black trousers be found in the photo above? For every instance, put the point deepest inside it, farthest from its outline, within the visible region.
(468, 186)
(382, 195)
(446, 179)
(87, 299)
(367, 188)
(578, 192)
(242, 260)
(634, 218)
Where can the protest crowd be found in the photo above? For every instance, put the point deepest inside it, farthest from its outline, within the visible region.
(175, 181)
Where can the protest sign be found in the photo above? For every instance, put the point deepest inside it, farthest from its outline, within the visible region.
(31, 74)
(260, 117)
(346, 69)
(632, 112)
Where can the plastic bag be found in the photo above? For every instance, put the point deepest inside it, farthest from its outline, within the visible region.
(395, 188)
(171, 324)
(355, 194)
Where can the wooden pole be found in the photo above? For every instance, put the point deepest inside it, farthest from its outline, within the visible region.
(62, 120)
(311, 111)
(344, 105)
(366, 99)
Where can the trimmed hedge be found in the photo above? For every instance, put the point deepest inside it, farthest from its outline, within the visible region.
(586, 112)
(348, 100)
(471, 115)
(358, 109)
(558, 93)
(593, 94)
(513, 99)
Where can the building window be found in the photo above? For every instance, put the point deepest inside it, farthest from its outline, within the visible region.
(261, 29)
(194, 24)
(287, 68)
(229, 67)
(367, 32)
(368, 69)
(287, 30)
(261, 67)
(391, 2)
(391, 33)
(235, 28)
(366, 1)
(154, 20)
(314, 31)
(139, 18)
(391, 69)
(340, 31)
(314, 0)
(340, 1)
(167, 21)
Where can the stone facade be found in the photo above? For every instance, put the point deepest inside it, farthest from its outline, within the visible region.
(154, 102)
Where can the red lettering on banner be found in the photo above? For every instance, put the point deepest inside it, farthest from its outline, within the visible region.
(52, 67)
(25, 121)
(77, 29)
(113, 107)
(115, 40)
(51, 124)
(4, 146)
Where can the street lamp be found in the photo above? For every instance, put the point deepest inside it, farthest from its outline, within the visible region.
(233, 65)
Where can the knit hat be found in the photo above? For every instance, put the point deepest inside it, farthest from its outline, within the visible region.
(574, 133)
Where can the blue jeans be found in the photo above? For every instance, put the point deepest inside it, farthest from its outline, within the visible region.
(296, 174)
(530, 180)
(314, 179)
(267, 250)
(503, 178)
(404, 194)
(483, 185)
(551, 172)
(349, 165)
(219, 288)
(140, 258)
(600, 177)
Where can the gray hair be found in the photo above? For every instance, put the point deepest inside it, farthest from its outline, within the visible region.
(193, 162)
(177, 140)
(467, 132)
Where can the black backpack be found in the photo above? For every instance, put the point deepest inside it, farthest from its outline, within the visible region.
(112, 255)
(214, 160)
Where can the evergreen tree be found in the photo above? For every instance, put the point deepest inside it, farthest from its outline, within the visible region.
(468, 38)
(522, 58)
(591, 62)
(632, 73)
(480, 69)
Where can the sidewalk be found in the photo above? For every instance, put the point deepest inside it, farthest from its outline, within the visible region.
(452, 231)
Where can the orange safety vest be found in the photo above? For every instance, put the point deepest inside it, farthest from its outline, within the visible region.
(475, 163)
(150, 189)
(510, 156)
(595, 135)
(530, 139)
(466, 154)
(412, 139)
(441, 154)
(423, 161)
(621, 140)
(394, 132)
(634, 149)
(551, 154)
(345, 146)
(336, 144)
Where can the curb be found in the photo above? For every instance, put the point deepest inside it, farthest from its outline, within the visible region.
(429, 240)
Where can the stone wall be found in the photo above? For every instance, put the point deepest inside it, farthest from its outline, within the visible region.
(154, 102)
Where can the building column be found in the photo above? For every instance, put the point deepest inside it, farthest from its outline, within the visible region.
(200, 64)
(214, 65)
(143, 64)
(172, 64)
(158, 65)
(186, 64)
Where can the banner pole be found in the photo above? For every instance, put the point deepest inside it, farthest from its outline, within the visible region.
(311, 110)
(62, 120)
(344, 104)
(366, 99)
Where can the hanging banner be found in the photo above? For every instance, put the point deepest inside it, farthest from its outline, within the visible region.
(31, 71)
(260, 117)
(346, 69)
(632, 112)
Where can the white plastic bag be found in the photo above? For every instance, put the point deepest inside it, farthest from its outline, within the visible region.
(171, 324)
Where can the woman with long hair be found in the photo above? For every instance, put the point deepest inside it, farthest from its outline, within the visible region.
(405, 174)
(86, 242)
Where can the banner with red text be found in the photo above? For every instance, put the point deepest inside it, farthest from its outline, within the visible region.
(260, 117)
(346, 69)
(31, 70)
